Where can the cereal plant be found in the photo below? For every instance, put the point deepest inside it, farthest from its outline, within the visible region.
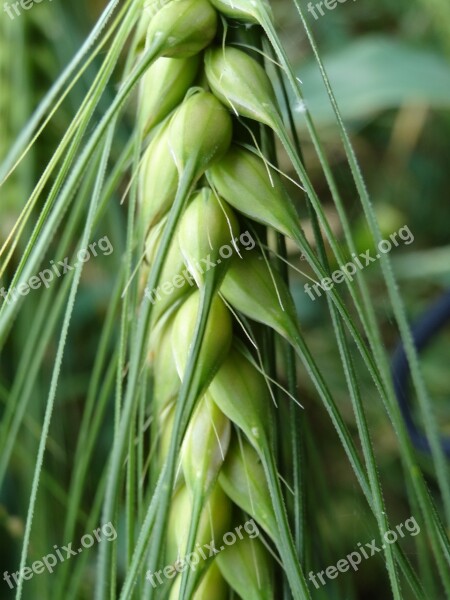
(165, 397)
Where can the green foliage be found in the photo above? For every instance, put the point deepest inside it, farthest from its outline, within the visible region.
(98, 385)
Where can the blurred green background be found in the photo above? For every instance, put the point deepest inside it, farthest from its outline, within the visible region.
(390, 68)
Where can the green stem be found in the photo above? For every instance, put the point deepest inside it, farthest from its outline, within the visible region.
(426, 407)
(352, 454)
(288, 553)
(72, 138)
(59, 356)
(64, 83)
(354, 391)
(187, 576)
(436, 530)
(157, 517)
(138, 352)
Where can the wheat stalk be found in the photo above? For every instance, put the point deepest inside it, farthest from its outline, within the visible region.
(197, 366)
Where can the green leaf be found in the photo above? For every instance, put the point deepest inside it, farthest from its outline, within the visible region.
(375, 73)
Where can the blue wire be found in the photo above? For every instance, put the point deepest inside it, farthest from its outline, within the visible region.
(424, 330)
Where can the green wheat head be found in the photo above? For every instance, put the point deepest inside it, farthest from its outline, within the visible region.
(209, 342)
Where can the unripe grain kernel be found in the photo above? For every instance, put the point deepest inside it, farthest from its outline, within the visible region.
(214, 522)
(205, 446)
(174, 281)
(243, 10)
(165, 438)
(247, 567)
(166, 383)
(182, 28)
(244, 481)
(241, 392)
(207, 226)
(260, 293)
(158, 179)
(251, 187)
(200, 132)
(212, 586)
(164, 86)
(216, 341)
(142, 27)
(241, 83)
